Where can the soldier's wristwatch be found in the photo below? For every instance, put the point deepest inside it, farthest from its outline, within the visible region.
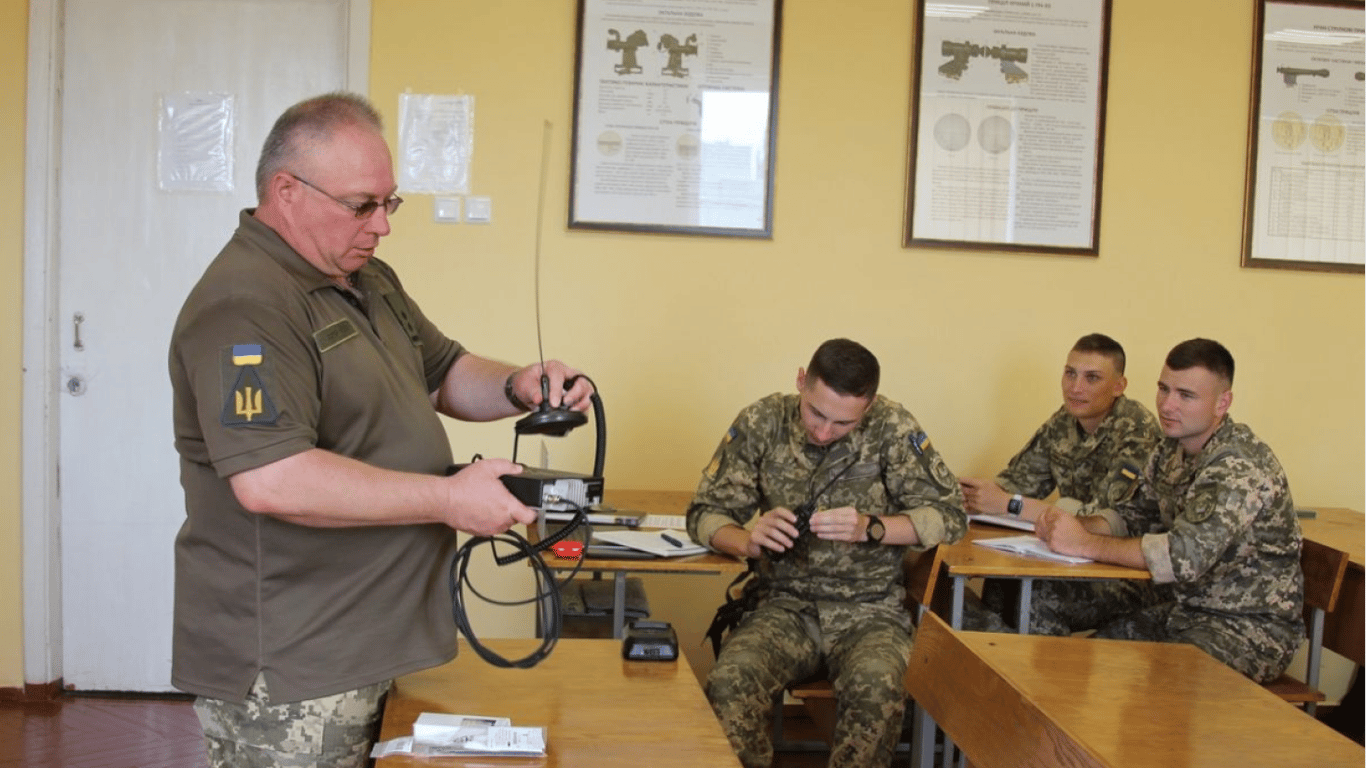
(1015, 506)
(876, 530)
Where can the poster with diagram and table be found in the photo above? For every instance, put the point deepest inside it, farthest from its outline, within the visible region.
(1007, 125)
(1305, 205)
(674, 111)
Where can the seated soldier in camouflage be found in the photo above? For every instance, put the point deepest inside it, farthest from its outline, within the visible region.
(1212, 520)
(1090, 450)
(826, 593)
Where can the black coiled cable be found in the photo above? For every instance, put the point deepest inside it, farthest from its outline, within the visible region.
(546, 597)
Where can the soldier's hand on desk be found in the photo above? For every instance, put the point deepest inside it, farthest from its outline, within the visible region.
(841, 524)
(1062, 532)
(983, 497)
(478, 503)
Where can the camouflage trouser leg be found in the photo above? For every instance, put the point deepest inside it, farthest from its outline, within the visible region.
(867, 671)
(1256, 648)
(770, 648)
(1061, 607)
(980, 616)
(331, 732)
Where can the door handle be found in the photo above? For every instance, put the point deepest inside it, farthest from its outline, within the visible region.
(76, 321)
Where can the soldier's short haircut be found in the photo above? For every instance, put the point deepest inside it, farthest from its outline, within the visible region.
(1205, 353)
(846, 367)
(1100, 344)
(309, 122)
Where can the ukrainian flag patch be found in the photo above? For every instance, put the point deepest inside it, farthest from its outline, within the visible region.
(246, 354)
(247, 401)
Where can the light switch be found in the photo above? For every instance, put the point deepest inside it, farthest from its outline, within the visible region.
(478, 210)
(447, 209)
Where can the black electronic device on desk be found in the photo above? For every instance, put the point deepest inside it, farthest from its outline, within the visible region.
(650, 641)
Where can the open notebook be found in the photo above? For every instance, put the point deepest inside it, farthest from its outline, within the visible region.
(666, 543)
(1028, 546)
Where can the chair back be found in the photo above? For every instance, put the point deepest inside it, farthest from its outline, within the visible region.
(1324, 568)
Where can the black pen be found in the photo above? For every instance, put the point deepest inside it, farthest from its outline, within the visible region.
(671, 540)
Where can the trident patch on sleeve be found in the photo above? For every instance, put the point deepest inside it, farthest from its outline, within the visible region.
(247, 401)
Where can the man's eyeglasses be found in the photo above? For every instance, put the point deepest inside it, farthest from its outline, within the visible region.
(362, 210)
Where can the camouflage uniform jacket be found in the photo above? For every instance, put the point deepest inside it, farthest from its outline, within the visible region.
(1102, 467)
(885, 466)
(1220, 527)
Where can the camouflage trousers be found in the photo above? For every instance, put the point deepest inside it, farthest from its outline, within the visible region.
(774, 646)
(332, 732)
(1257, 647)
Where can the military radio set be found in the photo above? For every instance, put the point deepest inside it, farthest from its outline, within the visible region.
(540, 489)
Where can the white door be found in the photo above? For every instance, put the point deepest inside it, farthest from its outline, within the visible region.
(143, 204)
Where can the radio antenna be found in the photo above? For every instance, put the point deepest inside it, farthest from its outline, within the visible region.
(545, 420)
(540, 215)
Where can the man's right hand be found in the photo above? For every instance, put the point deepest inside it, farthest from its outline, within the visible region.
(983, 497)
(775, 530)
(479, 503)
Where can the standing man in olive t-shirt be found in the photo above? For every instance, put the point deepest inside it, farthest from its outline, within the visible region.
(311, 567)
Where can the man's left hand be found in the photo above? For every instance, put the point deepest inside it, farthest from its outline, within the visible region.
(842, 524)
(526, 384)
(1063, 533)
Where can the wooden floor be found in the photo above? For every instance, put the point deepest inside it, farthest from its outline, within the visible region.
(100, 732)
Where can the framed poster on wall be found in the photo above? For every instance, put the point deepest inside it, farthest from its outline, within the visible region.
(675, 111)
(1008, 126)
(1305, 202)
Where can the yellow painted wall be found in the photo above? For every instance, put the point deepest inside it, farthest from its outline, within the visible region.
(13, 73)
(680, 332)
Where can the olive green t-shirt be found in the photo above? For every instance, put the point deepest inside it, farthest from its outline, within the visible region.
(270, 358)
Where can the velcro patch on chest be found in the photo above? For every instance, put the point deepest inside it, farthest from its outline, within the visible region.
(333, 335)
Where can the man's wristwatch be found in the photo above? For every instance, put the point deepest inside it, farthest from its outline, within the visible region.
(511, 395)
(876, 530)
(1015, 506)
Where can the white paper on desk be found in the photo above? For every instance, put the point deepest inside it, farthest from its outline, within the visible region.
(443, 729)
(505, 741)
(1028, 546)
(1003, 521)
(653, 542)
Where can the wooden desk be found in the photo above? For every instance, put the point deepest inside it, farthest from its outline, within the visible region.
(1018, 701)
(1343, 529)
(653, 502)
(966, 560)
(599, 710)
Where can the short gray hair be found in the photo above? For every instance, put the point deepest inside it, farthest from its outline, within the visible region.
(310, 122)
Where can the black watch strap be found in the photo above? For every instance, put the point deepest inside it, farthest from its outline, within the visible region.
(511, 395)
(1015, 506)
(875, 524)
